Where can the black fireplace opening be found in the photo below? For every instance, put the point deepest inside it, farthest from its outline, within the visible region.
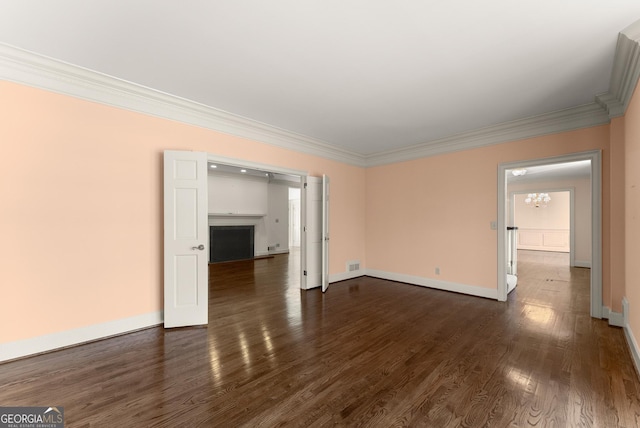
(228, 243)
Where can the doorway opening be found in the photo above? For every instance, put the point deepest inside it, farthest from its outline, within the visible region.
(580, 175)
(256, 198)
(188, 214)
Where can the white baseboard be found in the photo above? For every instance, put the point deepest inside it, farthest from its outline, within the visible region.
(50, 342)
(633, 347)
(582, 263)
(343, 276)
(628, 334)
(273, 253)
(488, 293)
(616, 319)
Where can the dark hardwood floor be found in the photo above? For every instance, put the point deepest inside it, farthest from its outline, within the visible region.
(369, 352)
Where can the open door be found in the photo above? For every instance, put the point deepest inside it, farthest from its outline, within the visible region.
(314, 232)
(186, 239)
(325, 233)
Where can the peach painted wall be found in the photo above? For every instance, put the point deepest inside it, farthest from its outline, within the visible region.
(81, 213)
(632, 211)
(436, 211)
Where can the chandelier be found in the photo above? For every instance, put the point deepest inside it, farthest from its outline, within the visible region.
(537, 200)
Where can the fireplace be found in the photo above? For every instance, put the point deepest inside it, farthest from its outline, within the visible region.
(231, 243)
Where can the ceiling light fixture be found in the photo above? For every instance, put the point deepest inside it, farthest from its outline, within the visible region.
(243, 170)
(519, 172)
(537, 200)
(213, 166)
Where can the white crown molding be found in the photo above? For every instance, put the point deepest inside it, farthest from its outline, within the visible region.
(35, 70)
(570, 119)
(625, 72)
(31, 69)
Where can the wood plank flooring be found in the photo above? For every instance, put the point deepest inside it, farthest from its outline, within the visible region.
(369, 352)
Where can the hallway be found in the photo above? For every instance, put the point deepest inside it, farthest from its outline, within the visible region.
(546, 280)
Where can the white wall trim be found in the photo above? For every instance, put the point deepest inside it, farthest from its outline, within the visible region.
(274, 252)
(625, 72)
(343, 276)
(625, 310)
(582, 263)
(488, 293)
(24, 67)
(631, 341)
(76, 336)
(21, 66)
(633, 347)
(570, 119)
(616, 319)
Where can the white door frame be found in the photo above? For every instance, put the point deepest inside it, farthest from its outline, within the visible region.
(595, 157)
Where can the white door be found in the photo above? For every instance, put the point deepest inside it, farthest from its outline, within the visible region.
(325, 233)
(314, 233)
(186, 239)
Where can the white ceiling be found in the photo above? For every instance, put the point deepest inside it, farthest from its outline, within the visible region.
(367, 76)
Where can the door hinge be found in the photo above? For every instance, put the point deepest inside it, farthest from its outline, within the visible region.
(305, 273)
(305, 185)
(304, 229)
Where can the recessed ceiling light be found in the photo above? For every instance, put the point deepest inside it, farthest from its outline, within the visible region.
(519, 172)
(243, 170)
(213, 166)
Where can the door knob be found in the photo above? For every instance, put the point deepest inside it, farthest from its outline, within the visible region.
(199, 247)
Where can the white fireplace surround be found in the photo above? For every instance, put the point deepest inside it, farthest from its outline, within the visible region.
(260, 245)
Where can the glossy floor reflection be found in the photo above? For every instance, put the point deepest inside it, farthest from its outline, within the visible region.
(368, 352)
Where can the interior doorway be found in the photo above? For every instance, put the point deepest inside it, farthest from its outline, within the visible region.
(591, 162)
(247, 194)
(187, 217)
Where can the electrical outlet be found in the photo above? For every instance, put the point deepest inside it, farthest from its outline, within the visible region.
(437, 271)
(494, 225)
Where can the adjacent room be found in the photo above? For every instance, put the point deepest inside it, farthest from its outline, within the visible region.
(305, 213)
